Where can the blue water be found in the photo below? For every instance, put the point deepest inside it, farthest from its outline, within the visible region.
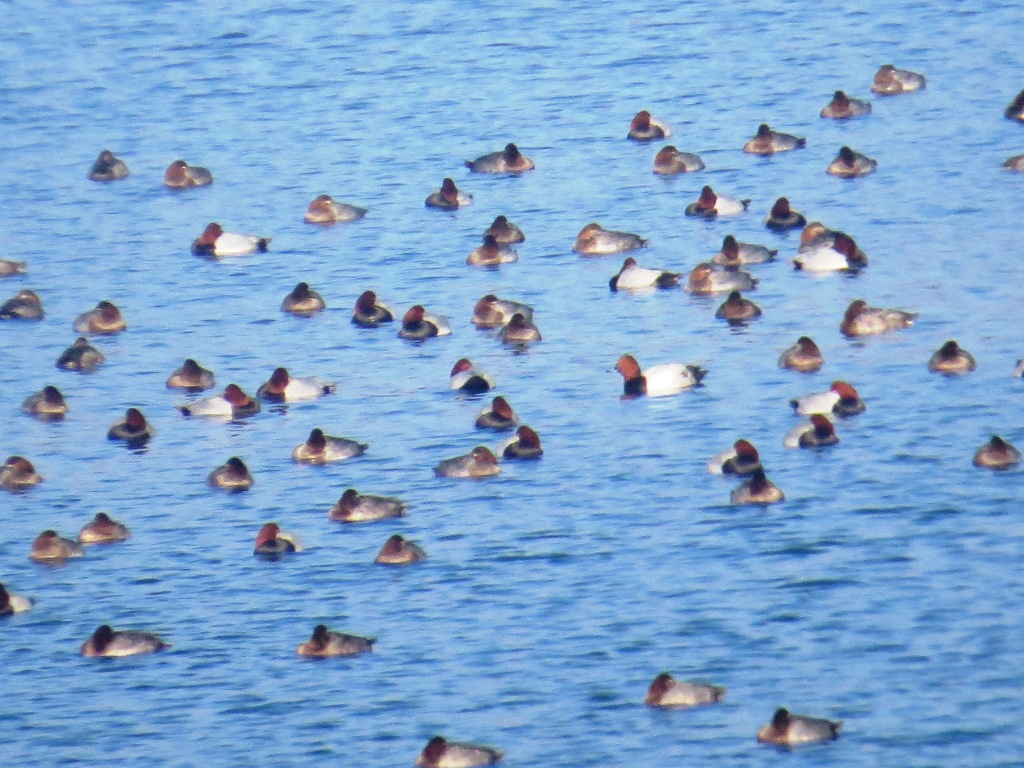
(884, 592)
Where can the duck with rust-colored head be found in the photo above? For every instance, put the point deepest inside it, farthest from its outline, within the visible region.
(80, 356)
(768, 142)
(740, 460)
(783, 217)
(659, 380)
(48, 404)
(508, 160)
(107, 642)
(492, 312)
(418, 324)
(282, 387)
(25, 305)
(355, 507)
(951, 358)
(479, 462)
(272, 542)
(104, 320)
(787, 729)
(803, 356)
(11, 603)
(889, 81)
(232, 475)
(448, 197)
(840, 399)
(842, 107)
(734, 253)
(706, 278)
(595, 240)
(758, 489)
(997, 454)
(737, 310)
(816, 433)
(369, 312)
(666, 691)
(133, 429)
(829, 251)
(670, 161)
(18, 474)
(504, 231)
(465, 377)
(525, 445)
(303, 301)
(399, 551)
(441, 753)
(645, 128)
(108, 167)
(181, 175)
(321, 449)
(519, 331)
(102, 529)
(216, 243)
(326, 644)
(234, 403)
(862, 320)
(190, 376)
(633, 277)
(50, 546)
(711, 205)
(849, 164)
(491, 253)
(498, 416)
(326, 210)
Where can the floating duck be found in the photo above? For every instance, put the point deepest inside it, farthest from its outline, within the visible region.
(181, 175)
(508, 160)
(788, 730)
(326, 210)
(324, 644)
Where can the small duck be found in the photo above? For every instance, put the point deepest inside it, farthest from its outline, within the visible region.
(737, 309)
(10, 268)
(491, 253)
(659, 380)
(830, 251)
(80, 356)
(324, 644)
(1018, 371)
(849, 164)
(50, 546)
(705, 278)
(418, 324)
(479, 462)
(783, 217)
(191, 377)
(107, 642)
(104, 320)
(282, 387)
(215, 242)
(508, 160)
(18, 474)
(499, 416)
(369, 313)
(997, 454)
(448, 197)
(525, 445)
(181, 175)
(741, 460)
(787, 729)
(803, 356)
(11, 603)
(1015, 109)
(709, 205)
(492, 312)
(233, 404)
(817, 433)
(842, 107)
(666, 691)
(768, 142)
(633, 277)
(26, 305)
(950, 358)
(321, 449)
(232, 475)
(519, 331)
(272, 542)
(735, 253)
(1015, 163)
(595, 240)
(889, 81)
(646, 128)
(504, 231)
(862, 320)
(133, 429)
(466, 378)
(108, 168)
(48, 404)
(670, 161)
(103, 530)
(840, 399)
(757, 490)
(399, 551)
(303, 301)
(441, 753)
(354, 507)
(326, 210)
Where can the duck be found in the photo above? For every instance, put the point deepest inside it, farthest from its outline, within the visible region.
(321, 449)
(950, 358)
(448, 197)
(102, 529)
(355, 507)
(736, 309)
(479, 462)
(508, 160)
(50, 546)
(709, 205)
(133, 429)
(492, 312)
(633, 277)
(889, 81)
(840, 399)
(418, 324)
(1015, 109)
(104, 320)
(215, 242)
(996, 454)
(25, 305)
(80, 356)
(233, 475)
(758, 489)
(303, 301)
(282, 387)
(504, 231)
(862, 320)
(48, 404)
(804, 356)
(768, 142)
(110, 643)
(234, 403)
(491, 253)
(519, 330)
(191, 377)
(399, 551)
(670, 161)
(9, 268)
(369, 312)
(441, 753)
(325, 643)
(18, 474)
(830, 252)
(1015, 163)
(849, 164)
(734, 253)
(326, 210)
(741, 460)
(1018, 371)
(783, 218)
(788, 730)
(660, 380)
(108, 167)
(272, 542)
(466, 378)
(498, 416)
(595, 240)
(645, 128)
(705, 278)
(11, 603)
(816, 433)
(181, 175)
(525, 445)
(666, 691)
(843, 107)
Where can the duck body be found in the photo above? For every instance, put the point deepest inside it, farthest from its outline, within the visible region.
(303, 301)
(862, 320)
(133, 429)
(525, 445)
(18, 474)
(492, 312)
(950, 358)
(504, 231)
(711, 205)
(480, 462)
(466, 378)
(1015, 109)
(50, 546)
(849, 164)
(369, 312)
(758, 489)
(491, 253)
(326, 210)
(661, 380)
(181, 175)
(595, 240)
(233, 475)
(191, 377)
(803, 356)
(322, 449)
(670, 161)
(997, 454)
(80, 356)
(816, 433)
(890, 81)
(9, 268)
(633, 277)
(769, 142)
(737, 309)
(104, 320)
(788, 730)
(354, 507)
(112, 644)
(399, 551)
(740, 460)
(47, 404)
(448, 197)
(666, 691)
(644, 128)
(103, 530)
(11, 603)
(441, 753)
(216, 243)
(508, 160)
(842, 107)
(783, 218)
(108, 167)
(282, 387)
(706, 278)
(25, 305)
(840, 399)
(499, 416)
(734, 253)
(327, 644)
(272, 543)
(232, 404)
(519, 330)
(1015, 163)
(418, 324)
